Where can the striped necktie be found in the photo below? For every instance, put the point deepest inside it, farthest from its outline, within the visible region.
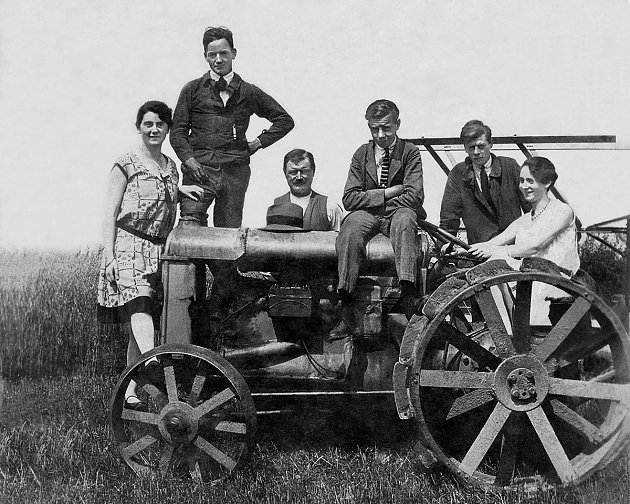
(384, 168)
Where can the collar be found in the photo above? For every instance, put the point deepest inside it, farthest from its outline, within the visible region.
(228, 78)
(145, 156)
(469, 172)
(380, 151)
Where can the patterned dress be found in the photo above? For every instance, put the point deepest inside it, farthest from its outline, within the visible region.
(147, 214)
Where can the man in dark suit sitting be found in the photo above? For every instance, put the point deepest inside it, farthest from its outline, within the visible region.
(384, 194)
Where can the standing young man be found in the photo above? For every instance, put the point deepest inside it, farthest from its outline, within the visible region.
(482, 190)
(208, 135)
(384, 194)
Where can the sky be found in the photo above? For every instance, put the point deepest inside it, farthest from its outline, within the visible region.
(74, 72)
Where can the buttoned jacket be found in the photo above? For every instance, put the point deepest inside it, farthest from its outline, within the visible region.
(214, 133)
(363, 191)
(463, 200)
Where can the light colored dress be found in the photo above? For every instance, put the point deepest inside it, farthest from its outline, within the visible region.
(147, 214)
(562, 250)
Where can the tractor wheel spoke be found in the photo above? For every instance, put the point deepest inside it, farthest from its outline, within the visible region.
(576, 422)
(214, 453)
(137, 446)
(456, 379)
(198, 383)
(169, 379)
(484, 440)
(231, 427)
(590, 389)
(562, 329)
(552, 445)
(214, 402)
(494, 322)
(469, 402)
(139, 416)
(470, 347)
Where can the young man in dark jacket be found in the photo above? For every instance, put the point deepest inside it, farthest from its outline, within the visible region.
(208, 134)
(384, 194)
(482, 190)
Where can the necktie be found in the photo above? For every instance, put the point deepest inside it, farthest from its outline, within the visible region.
(221, 84)
(384, 168)
(485, 187)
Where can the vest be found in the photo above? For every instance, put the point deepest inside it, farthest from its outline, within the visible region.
(316, 213)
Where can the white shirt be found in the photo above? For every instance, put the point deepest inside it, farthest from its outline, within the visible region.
(225, 95)
(334, 211)
(487, 167)
(379, 152)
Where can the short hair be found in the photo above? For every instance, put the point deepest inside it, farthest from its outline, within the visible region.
(543, 170)
(213, 33)
(297, 155)
(474, 129)
(162, 110)
(380, 109)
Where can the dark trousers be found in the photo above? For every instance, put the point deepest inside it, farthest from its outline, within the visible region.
(226, 187)
(359, 227)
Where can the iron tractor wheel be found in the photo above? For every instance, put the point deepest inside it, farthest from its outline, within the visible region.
(502, 402)
(200, 419)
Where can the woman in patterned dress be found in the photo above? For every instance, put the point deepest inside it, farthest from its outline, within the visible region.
(140, 211)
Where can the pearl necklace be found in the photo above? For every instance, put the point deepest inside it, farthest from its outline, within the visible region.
(534, 217)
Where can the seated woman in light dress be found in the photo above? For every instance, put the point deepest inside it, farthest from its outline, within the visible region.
(548, 231)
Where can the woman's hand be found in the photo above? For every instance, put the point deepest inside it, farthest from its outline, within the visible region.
(191, 191)
(111, 270)
(483, 250)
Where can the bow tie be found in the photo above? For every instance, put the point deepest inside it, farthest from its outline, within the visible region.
(221, 84)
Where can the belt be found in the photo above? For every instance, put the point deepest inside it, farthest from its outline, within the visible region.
(153, 239)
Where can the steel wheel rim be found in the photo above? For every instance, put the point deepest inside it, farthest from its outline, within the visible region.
(498, 424)
(200, 422)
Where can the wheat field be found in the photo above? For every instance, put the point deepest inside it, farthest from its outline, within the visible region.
(59, 369)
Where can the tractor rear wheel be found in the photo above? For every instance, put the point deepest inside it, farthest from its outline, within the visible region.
(504, 401)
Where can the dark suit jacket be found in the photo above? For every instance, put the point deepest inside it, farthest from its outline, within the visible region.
(362, 190)
(463, 200)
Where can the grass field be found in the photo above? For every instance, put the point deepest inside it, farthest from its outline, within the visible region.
(60, 369)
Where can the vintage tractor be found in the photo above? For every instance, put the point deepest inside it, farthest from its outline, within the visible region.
(502, 395)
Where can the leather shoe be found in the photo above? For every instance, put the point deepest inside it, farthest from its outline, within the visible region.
(343, 329)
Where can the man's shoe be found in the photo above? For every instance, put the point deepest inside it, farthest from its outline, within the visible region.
(343, 329)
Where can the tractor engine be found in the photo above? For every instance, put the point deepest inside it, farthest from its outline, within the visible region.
(273, 301)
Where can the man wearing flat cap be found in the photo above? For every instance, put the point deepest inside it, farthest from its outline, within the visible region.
(319, 212)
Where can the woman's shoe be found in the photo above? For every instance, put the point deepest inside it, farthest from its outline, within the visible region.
(133, 403)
